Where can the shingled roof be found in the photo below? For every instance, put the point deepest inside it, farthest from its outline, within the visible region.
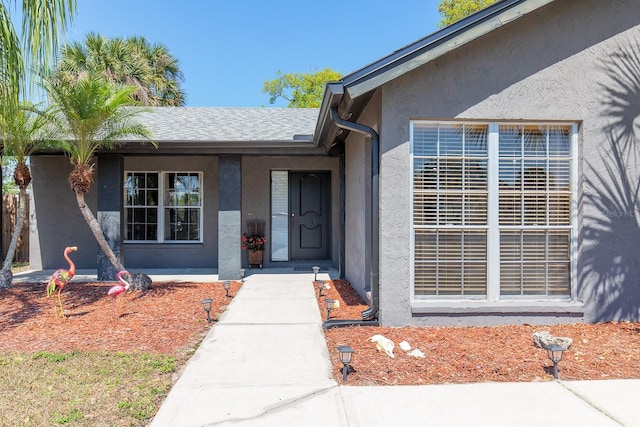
(213, 124)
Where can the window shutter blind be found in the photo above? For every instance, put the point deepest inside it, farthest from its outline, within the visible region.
(532, 217)
(449, 203)
(534, 196)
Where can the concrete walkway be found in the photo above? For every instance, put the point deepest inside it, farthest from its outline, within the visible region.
(266, 363)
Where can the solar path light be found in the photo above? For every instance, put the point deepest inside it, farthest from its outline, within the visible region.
(320, 284)
(206, 304)
(554, 351)
(346, 353)
(330, 304)
(226, 284)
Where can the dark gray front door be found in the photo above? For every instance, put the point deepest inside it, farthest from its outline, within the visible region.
(310, 215)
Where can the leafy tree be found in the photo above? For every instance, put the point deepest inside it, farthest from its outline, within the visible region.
(454, 10)
(22, 132)
(94, 115)
(302, 90)
(150, 68)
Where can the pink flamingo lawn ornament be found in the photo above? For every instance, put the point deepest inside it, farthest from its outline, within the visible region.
(60, 278)
(119, 288)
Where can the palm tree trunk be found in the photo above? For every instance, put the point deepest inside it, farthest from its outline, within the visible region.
(5, 275)
(97, 231)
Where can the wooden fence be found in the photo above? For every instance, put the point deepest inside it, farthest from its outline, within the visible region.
(9, 215)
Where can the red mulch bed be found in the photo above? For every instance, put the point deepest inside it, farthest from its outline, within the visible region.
(168, 318)
(477, 354)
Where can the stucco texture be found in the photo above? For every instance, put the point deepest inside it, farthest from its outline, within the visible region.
(256, 193)
(358, 204)
(557, 63)
(55, 219)
(180, 255)
(57, 222)
(55, 208)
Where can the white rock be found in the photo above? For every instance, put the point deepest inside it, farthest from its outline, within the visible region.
(405, 346)
(417, 353)
(383, 344)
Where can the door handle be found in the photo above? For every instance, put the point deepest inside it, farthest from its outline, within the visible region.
(292, 221)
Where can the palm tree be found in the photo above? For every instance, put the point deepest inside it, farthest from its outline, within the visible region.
(43, 21)
(163, 79)
(133, 62)
(111, 59)
(93, 114)
(21, 134)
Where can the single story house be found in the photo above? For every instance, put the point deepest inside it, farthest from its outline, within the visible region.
(485, 174)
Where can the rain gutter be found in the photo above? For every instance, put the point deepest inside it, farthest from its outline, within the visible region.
(438, 44)
(369, 316)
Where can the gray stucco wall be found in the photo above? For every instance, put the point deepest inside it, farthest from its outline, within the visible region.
(110, 190)
(549, 65)
(55, 219)
(256, 193)
(358, 202)
(180, 255)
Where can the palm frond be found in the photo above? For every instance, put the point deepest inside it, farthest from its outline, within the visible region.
(11, 63)
(25, 131)
(132, 61)
(43, 23)
(94, 114)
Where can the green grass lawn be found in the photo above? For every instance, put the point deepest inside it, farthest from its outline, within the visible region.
(17, 267)
(82, 388)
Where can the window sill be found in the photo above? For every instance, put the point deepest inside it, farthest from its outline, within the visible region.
(537, 307)
(155, 242)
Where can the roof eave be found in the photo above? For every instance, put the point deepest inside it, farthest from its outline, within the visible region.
(212, 146)
(333, 94)
(436, 45)
(195, 147)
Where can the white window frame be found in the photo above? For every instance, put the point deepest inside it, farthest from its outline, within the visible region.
(162, 206)
(493, 226)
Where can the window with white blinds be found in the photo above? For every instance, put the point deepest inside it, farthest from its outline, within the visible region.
(535, 209)
(507, 183)
(450, 209)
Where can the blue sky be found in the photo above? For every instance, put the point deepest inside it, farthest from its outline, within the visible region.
(227, 49)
